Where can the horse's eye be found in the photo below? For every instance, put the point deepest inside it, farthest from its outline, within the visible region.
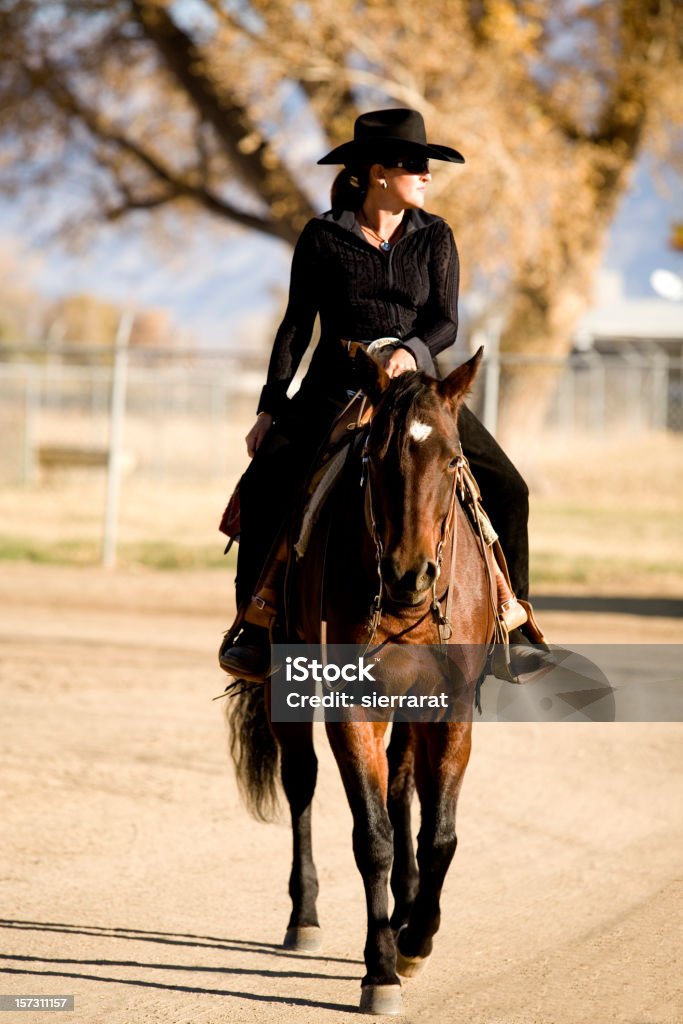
(454, 463)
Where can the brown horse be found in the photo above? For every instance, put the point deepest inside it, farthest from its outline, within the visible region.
(399, 530)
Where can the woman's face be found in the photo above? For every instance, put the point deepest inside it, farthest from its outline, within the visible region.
(407, 182)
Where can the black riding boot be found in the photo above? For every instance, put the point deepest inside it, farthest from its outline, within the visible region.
(504, 494)
(505, 497)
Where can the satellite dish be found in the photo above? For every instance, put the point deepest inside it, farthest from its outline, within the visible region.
(667, 284)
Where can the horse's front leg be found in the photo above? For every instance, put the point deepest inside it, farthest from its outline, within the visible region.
(359, 751)
(404, 874)
(299, 771)
(441, 756)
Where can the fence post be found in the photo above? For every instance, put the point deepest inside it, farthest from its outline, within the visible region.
(31, 409)
(117, 414)
(490, 338)
(660, 389)
(597, 393)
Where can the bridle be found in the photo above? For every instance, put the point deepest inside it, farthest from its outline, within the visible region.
(441, 618)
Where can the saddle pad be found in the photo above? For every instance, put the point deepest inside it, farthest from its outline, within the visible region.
(230, 520)
(319, 496)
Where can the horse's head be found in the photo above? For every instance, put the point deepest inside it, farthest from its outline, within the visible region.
(412, 456)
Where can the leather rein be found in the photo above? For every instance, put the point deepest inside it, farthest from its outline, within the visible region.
(441, 617)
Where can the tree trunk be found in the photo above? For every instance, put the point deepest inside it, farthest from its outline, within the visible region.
(534, 345)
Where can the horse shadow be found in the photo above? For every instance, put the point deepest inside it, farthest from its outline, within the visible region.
(75, 968)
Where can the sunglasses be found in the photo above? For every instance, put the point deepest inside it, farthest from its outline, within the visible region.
(414, 165)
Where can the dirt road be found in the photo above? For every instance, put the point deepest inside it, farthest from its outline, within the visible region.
(132, 878)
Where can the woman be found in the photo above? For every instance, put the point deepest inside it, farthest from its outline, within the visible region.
(375, 265)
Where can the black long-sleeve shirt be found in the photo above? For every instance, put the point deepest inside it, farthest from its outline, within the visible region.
(361, 293)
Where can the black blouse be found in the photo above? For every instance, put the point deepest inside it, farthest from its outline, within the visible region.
(361, 293)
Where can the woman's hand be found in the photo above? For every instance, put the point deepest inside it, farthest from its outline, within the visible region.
(400, 361)
(254, 438)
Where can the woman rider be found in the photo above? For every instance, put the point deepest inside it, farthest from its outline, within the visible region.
(375, 265)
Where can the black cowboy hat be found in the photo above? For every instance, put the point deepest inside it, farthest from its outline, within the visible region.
(396, 129)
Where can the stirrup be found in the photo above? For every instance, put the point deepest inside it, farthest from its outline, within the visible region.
(501, 658)
(520, 663)
(247, 661)
(512, 611)
(532, 630)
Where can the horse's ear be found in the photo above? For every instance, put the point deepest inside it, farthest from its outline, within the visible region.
(456, 385)
(370, 376)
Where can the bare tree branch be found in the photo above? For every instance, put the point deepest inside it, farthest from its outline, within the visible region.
(551, 103)
(257, 164)
(176, 186)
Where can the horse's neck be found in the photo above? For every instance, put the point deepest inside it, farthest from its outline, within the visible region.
(352, 578)
(351, 569)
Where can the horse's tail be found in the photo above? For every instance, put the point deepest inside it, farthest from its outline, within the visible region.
(253, 750)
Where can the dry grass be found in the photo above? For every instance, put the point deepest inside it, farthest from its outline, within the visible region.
(607, 516)
(162, 524)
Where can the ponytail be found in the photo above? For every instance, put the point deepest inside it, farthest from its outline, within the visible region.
(349, 189)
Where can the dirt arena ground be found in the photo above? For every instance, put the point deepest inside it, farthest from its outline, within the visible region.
(133, 879)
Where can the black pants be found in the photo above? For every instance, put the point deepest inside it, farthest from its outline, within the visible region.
(272, 483)
(504, 494)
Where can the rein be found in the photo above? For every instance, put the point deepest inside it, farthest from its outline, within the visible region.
(441, 618)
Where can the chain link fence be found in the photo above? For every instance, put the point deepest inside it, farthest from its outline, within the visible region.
(186, 414)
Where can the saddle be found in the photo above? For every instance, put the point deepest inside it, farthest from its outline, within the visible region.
(266, 604)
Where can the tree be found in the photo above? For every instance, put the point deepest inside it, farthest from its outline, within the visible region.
(22, 308)
(31, 321)
(196, 102)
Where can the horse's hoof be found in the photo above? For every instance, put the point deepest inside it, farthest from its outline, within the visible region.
(306, 938)
(381, 999)
(409, 966)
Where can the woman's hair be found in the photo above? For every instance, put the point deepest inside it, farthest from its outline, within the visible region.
(350, 188)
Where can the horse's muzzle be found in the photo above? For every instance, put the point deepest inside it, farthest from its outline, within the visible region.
(411, 587)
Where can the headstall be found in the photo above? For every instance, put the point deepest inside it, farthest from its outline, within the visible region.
(440, 617)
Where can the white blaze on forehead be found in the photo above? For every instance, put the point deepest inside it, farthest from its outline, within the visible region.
(419, 431)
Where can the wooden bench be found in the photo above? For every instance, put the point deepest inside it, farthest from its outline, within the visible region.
(56, 457)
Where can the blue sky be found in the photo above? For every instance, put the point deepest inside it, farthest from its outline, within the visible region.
(226, 285)
(638, 239)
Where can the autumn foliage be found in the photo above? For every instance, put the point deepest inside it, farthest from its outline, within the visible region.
(148, 103)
